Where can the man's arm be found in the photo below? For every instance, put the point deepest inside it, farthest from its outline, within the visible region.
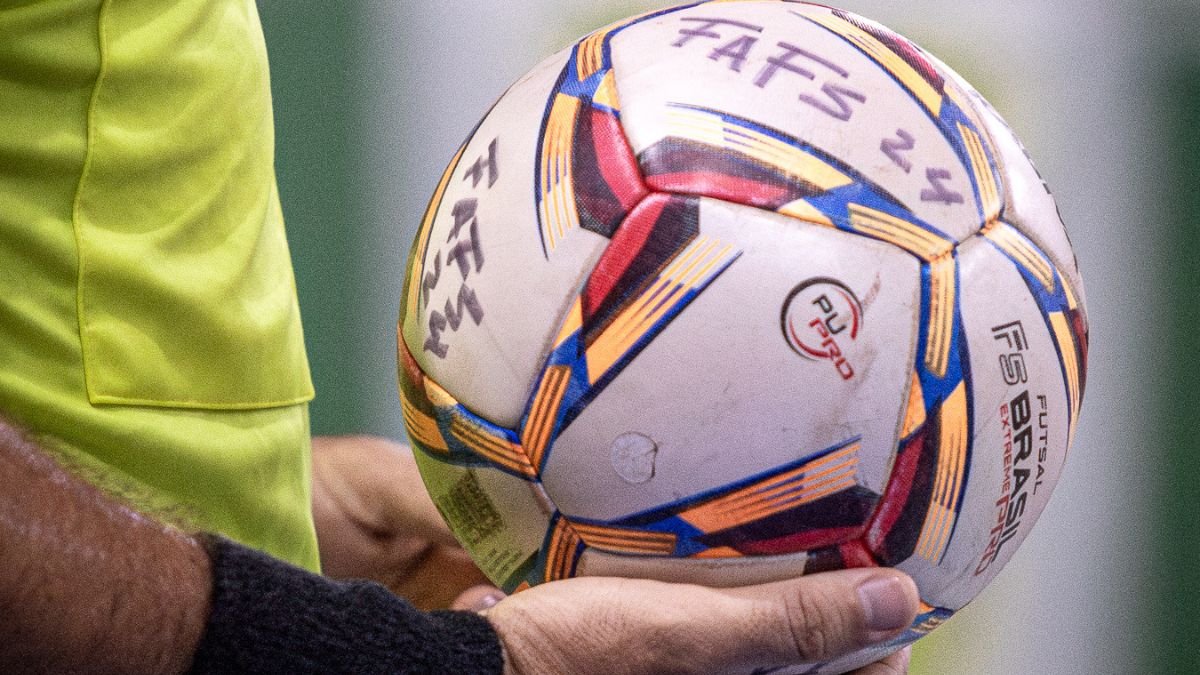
(85, 583)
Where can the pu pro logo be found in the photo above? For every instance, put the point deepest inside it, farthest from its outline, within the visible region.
(821, 318)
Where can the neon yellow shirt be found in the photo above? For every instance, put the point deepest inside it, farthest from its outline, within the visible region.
(149, 330)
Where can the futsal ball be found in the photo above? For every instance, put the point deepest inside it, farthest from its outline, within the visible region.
(737, 291)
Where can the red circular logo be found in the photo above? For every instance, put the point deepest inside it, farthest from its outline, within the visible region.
(821, 319)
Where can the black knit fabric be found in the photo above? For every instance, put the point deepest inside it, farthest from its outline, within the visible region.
(269, 617)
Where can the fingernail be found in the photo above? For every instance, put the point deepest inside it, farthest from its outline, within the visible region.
(885, 604)
(486, 602)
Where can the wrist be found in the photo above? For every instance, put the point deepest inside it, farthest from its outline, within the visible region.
(270, 617)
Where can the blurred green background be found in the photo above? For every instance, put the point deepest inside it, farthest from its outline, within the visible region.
(372, 98)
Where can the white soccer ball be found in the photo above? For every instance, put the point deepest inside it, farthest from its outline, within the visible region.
(738, 291)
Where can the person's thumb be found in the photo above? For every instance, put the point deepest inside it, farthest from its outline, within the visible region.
(478, 598)
(637, 626)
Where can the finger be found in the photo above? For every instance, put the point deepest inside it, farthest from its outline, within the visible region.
(374, 483)
(438, 578)
(896, 664)
(815, 618)
(682, 628)
(478, 598)
(416, 512)
(351, 510)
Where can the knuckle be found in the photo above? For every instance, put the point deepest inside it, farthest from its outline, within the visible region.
(663, 646)
(810, 619)
(520, 632)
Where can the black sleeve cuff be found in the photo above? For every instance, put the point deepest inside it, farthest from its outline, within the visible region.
(269, 617)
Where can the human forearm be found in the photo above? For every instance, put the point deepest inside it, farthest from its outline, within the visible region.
(87, 584)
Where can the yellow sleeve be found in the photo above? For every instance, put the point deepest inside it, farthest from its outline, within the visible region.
(149, 327)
